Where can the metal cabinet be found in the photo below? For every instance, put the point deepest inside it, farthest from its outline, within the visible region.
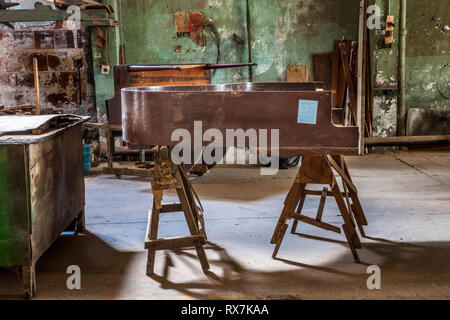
(41, 188)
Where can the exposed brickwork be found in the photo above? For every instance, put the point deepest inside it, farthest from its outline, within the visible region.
(55, 45)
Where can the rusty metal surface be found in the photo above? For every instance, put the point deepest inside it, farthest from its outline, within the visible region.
(17, 129)
(151, 114)
(238, 87)
(56, 186)
(18, 124)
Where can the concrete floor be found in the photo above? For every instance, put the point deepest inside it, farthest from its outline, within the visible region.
(406, 197)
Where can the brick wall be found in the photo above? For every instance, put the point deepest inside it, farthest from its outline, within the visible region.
(55, 45)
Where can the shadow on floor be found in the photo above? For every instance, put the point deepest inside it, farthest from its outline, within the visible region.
(212, 187)
(423, 268)
(90, 253)
(409, 270)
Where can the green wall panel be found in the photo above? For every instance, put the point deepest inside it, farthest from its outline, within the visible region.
(427, 51)
(13, 207)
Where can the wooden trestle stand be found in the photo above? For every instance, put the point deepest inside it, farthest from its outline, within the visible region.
(169, 176)
(317, 169)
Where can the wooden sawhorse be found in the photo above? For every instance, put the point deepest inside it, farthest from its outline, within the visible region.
(317, 169)
(168, 176)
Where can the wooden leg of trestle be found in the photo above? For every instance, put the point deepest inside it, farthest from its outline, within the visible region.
(357, 209)
(193, 226)
(294, 227)
(152, 234)
(191, 196)
(323, 198)
(279, 239)
(299, 211)
(350, 244)
(351, 234)
(350, 207)
(202, 258)
(151, 262)
(290, 204)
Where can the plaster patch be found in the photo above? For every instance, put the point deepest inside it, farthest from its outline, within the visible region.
(429, 86)
(384, 116)
(263, 68)
(215, 3)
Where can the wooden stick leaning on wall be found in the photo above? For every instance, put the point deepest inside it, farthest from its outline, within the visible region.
(361, 83)
(36, 85)
(348, 79)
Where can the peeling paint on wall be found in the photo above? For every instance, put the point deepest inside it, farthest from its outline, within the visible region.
(55, 46)
(384, 116)
(215, 3)
(427, 50)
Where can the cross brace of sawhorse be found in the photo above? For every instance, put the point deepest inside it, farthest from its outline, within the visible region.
(318, 170)
(168, 176)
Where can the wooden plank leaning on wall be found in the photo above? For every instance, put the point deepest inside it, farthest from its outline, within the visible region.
(362, 75)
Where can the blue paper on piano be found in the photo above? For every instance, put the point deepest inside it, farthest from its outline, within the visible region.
(307, 111)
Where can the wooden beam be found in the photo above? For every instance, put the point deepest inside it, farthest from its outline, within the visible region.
(342, 174)
(35, 15)
(393, 141)
(313, 222)
(323, 198)
(319, 193)
(132, 171)
(173, 207)
(175, 243)
(36, 86)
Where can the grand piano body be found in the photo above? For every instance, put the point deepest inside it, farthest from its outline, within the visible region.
(302, 112)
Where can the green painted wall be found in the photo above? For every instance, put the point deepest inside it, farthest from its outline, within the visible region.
(283, 32)
(427, 51)
(108, 55)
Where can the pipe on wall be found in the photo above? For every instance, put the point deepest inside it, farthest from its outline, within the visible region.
(401, 114)
(249, 42)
